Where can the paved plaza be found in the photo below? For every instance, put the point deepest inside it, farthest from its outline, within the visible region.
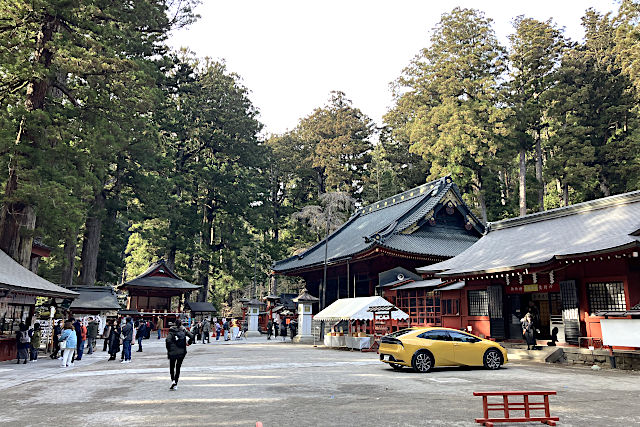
(282, 384)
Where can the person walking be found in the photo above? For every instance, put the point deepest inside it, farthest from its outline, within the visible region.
(276, 329)
(92, 334)
(114, 340)
(527, 330)
(269, 329)
(176, 343)
(218, 329)
(36, 336)
(283, 330)
(141, 332)
(127, 337)
(106, 332)
(57, 330)
(76, 326)
(23, 341)
(68, 342)
(206, 329)
(159, 326)
(150, 327)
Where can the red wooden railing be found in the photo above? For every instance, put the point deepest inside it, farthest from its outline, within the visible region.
(525, 407)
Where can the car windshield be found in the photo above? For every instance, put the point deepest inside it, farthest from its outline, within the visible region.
(401, 332)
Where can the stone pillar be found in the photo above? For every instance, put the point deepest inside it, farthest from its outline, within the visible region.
(253, 310)
(305, 303)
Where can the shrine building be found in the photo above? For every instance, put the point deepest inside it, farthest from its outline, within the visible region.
(577, 268)
(424, 225)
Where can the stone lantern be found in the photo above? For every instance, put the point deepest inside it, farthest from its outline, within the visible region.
(253, 312)
(305, 302)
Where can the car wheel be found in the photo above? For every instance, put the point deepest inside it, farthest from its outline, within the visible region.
(492, 359)
(422, 362)
(396, 366)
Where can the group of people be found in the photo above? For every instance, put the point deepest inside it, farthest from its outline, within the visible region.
(121, 332)
(70, 338)
(276, 328)
(224, 328)
(28, 342)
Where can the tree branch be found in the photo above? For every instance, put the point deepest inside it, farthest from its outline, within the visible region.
(66, 91)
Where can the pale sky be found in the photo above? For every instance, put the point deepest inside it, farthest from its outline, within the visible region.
(292, 53)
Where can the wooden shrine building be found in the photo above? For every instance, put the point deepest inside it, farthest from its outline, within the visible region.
(157, 290)
(577, 268)
(420, 226)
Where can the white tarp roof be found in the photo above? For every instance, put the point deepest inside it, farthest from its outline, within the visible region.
(356, 309)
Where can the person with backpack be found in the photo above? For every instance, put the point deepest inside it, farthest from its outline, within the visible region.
(23, 341)
(176, 343)
(36, 336)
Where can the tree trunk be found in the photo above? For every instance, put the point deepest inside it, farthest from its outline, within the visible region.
(565, 194)
(17, 221)
(91, 242)
(522, 178)
(604, 187)
(69, 259)
(203, 280)
(479, 192)
(18, 217)
(539, 173)
(170, 256)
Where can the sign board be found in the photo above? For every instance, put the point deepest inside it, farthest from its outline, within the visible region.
(516, 288)
(621, 332)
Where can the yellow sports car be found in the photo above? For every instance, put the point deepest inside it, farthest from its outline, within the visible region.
(425, 348)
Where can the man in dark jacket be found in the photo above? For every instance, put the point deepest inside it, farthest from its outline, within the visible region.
(140, 334)
(127, 337)
(78, 329)
(269, 329)
(92, 334)
(176, 350)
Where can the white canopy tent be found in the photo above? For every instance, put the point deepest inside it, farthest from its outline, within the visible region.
(356, 309)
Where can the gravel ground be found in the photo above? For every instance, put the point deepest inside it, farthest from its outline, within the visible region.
(282, 384)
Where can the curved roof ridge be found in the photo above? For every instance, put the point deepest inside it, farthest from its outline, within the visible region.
(404, 196)
(588, 206)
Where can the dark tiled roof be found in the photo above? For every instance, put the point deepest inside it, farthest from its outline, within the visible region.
(396, 276)
(95, 298)
(200, 307)
(159, 282)
(16, 277)
(381, 224)
(583, 229)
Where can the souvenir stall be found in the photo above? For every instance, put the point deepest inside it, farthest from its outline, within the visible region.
(352, 324)
(19, 288)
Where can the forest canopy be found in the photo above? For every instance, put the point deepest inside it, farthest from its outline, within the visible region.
(118, 151)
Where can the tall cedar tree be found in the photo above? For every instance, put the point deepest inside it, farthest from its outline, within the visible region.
(447, 97)
(57, 58)
(535, 52)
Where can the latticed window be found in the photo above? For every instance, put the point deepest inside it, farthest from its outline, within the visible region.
(606, 296)
(478, 303)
